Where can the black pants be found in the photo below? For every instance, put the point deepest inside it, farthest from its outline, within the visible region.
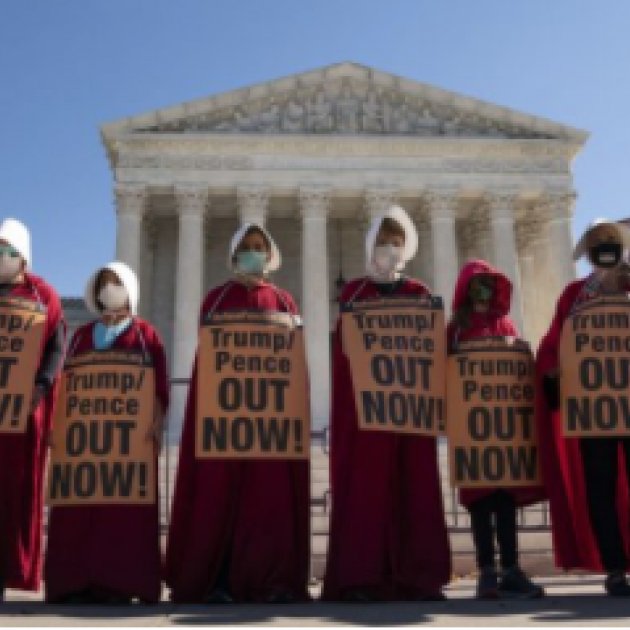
(499, 505)
(600, 460)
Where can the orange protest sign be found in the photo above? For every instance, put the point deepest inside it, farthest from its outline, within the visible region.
(101, 453)
(252, 387)
(21, 335)
(491, 428)
(595, 369)
(397, 354)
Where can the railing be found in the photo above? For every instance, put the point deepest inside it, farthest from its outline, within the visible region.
(534, 518)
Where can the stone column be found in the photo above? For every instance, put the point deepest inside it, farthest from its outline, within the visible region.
(423, 264)
(504, 246)
(528, 237)
(252, 203)
(443, 207)
(130, 209)
(560, 208)
(314, 204)
(190, 206)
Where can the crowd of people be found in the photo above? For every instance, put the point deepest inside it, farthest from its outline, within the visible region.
(240, 528)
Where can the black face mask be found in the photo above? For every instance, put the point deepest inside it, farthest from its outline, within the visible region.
(606, 255)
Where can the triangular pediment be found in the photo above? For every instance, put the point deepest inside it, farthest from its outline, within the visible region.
(344, 99)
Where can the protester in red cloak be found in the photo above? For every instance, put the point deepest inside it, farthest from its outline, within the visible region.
(240, 528)
(480, 308)
(388, 538)
(587, 479)
(110, 553)
(23, 455)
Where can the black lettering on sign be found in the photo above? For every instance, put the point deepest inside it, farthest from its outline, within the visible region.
(6, 363)
(494, 463)
(245, 433)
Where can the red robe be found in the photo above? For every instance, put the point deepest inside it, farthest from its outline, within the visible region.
(574, 542)
(388, 532)
(109, 549)
(496, 322)
(254, 513)
(23, 464)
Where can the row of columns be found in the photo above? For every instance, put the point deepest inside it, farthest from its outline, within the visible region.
(499, 232)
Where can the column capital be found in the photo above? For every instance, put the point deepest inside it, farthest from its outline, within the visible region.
(442, 204)
(528, 233)
(314, 201)
(191, 200)
(378, 199)
(131, 199)
(252, 202)
(559, 204)
(501, 204)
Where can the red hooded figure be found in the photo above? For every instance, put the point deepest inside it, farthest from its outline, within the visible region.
(388, 537)
(587, 479)
(479, 283)
(240, 529)
(110, 553)
(23, 455)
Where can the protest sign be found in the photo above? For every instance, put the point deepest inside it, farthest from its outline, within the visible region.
(100, 451)
(595, 369)
(397, 354)
(491, 428)
(252, 387)
(22, 325)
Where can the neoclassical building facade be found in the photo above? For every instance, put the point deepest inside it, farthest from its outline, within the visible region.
(314, 156)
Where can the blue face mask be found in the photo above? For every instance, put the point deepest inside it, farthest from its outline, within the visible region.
(251, 262)
(104, 336)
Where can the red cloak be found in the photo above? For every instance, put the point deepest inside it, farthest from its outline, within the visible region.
(388, 531)
(23, 464)
(109, 549)
(496, 322)
(574, 542)
(253, 513)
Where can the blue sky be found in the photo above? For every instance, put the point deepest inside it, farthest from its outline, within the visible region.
(67, 66)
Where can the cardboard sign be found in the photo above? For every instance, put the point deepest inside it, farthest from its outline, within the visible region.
(397, 353)
(252, 387)
(595, 369)
(491, 427)
(22, 325)
(100, 452)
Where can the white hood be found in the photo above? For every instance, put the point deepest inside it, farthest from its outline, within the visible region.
(411, 237)
(275, 260)
(622, 230)
(15, 233)
(125, 275)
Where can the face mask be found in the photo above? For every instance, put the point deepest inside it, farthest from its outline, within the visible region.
(606, 255)
(387, 258)
(480, 292)
(251, 262)
(9, 267)
(104, 335)
(113, 296)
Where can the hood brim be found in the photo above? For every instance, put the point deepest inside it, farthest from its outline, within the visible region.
(126, 276)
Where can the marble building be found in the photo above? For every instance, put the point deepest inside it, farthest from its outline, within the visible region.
(316, 154)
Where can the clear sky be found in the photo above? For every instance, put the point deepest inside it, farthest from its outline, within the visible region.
(67, 66)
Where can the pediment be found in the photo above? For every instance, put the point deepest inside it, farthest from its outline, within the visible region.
(344, 99)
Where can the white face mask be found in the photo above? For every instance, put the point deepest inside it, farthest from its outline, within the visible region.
(113, 296)
(388, 260)
(9, 267)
